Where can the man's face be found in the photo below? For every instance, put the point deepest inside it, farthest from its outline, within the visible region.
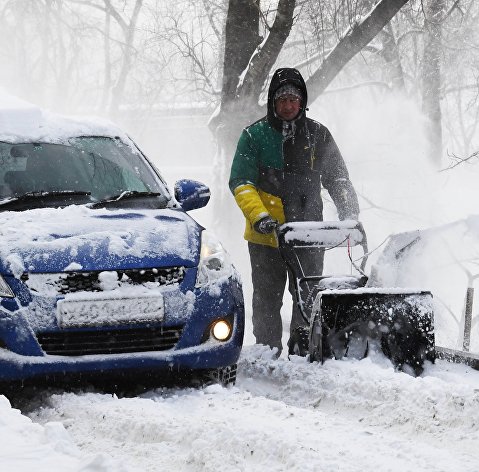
(287, 107)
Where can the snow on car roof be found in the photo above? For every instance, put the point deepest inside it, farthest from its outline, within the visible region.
(21, 121)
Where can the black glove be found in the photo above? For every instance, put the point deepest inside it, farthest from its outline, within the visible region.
(265, 225)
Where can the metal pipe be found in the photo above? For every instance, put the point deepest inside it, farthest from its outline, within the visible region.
(468, 319)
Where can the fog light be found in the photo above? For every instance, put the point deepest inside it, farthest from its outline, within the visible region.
(221, 330)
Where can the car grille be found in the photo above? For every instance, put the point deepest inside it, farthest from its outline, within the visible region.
(70, 282)
(80, 343)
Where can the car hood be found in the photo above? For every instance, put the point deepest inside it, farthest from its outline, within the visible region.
(77, 238)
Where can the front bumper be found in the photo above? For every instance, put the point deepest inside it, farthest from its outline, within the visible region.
(23, 359)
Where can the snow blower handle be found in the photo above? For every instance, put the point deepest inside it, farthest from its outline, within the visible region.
(323, 234)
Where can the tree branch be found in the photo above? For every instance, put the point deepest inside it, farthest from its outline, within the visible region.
(456, 160)
(355, 39)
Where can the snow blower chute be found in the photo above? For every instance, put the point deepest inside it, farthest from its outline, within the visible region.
(345, 316)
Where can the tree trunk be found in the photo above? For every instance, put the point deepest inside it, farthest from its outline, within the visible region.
(241, 40)
(431, 77)
(390, 54)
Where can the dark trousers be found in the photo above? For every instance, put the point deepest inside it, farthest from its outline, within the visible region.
(269, 275)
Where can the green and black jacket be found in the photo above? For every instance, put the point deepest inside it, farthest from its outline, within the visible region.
(279, 168)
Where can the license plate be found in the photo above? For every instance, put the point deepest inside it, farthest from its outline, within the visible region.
(103, 310)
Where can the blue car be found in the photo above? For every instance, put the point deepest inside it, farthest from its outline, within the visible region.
(104, 276)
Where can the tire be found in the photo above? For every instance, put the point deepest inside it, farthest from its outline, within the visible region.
(225, 375)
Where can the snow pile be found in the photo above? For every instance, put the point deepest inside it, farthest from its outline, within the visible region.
(26, 446)
(444, 397)
(285, 416)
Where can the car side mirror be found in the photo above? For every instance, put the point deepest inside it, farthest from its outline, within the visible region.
(191, 194)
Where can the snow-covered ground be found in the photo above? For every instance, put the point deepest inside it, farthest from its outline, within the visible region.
(281, 415)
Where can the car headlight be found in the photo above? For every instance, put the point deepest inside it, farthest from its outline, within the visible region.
(214, 260)
(5, 290)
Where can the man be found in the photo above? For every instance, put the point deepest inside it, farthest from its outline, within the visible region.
(280, 163)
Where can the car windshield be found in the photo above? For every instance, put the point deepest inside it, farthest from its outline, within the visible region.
(91, 168)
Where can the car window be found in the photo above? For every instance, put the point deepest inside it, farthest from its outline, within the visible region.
(105, 167)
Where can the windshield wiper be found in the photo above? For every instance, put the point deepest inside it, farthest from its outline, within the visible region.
(126, 195)
(42, 194)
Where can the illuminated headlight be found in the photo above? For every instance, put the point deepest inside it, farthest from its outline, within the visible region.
(214, 261)
(5, 290)
(221, 330)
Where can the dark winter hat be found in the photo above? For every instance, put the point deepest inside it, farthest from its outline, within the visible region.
(288, 89)
(282, 77)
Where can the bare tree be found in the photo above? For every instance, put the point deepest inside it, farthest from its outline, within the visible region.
(436, 40)
(431, 75)
(128, 28)
(390, 53)
(41, 57)
(192, 47)
(460, 73)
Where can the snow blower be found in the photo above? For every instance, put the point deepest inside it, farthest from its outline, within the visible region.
(344, 316)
